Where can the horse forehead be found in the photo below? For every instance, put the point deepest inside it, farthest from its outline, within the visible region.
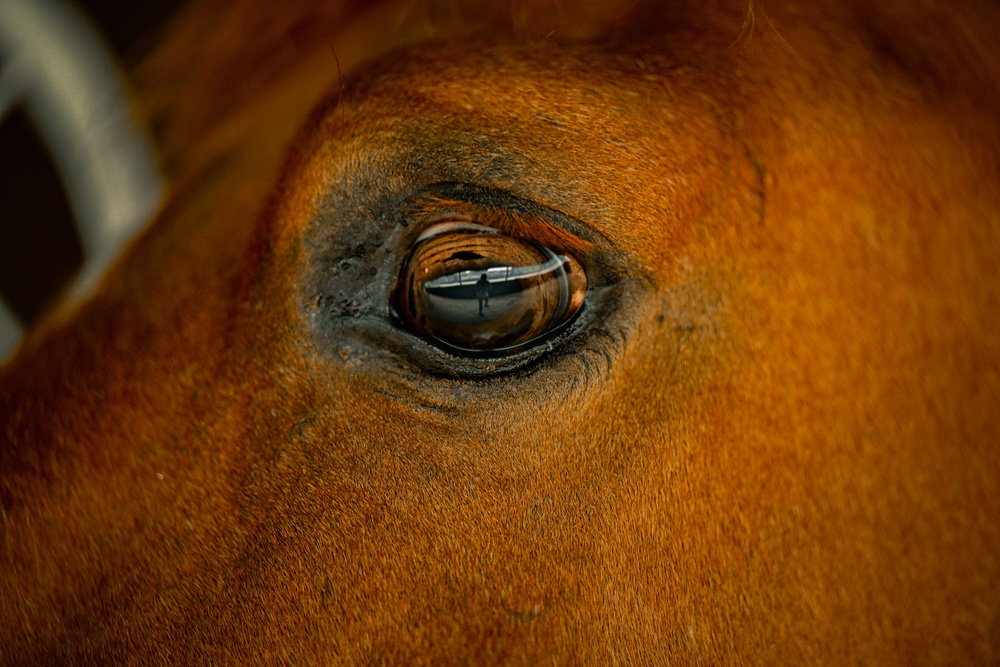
(629, 146)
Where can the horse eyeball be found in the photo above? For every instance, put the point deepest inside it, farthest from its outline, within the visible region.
(474, 289)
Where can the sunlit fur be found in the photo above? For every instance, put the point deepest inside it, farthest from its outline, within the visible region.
(778, 444)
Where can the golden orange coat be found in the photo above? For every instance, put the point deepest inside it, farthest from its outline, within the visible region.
(770, 437)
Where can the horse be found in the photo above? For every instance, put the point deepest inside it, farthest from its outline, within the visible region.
(734, 398)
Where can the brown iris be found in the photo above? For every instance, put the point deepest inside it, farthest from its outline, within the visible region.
(475, 288)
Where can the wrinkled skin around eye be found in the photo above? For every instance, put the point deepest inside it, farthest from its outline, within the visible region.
(478, 290)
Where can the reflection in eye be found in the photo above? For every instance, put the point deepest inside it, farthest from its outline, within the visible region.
(476, 289)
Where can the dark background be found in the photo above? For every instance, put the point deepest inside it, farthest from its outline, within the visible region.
(39, 250)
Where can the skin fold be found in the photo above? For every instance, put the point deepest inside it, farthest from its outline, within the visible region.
(769, 437)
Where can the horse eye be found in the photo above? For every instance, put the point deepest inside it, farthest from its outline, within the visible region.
(475, 289)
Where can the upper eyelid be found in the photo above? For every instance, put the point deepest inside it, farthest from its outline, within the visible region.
(520, 224)
(517, 216)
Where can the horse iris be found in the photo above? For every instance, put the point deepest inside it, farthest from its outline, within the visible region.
(476, 289)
